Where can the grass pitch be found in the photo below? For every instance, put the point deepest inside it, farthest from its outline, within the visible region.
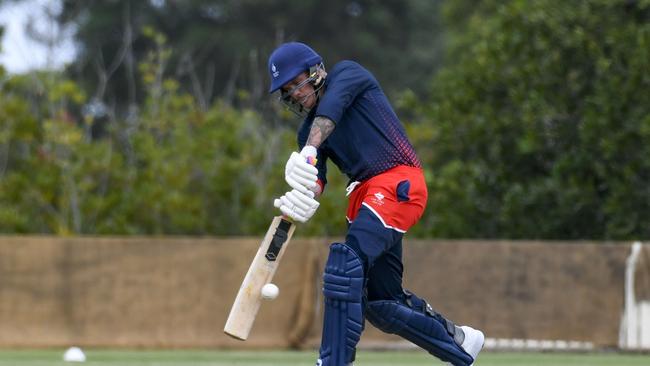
(284, 358)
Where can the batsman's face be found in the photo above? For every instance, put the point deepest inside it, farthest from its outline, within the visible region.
(301, 91)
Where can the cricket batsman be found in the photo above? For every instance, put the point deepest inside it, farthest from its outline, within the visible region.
(349, 121)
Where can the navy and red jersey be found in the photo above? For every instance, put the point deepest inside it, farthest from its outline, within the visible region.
(368, 138)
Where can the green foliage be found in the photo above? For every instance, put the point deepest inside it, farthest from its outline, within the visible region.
(541, 123)
(537, 126)
(154, 176)
(221, 48)
(173, 169)
(35, 152)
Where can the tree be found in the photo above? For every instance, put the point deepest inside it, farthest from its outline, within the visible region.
(541, 123)
(176, 169)
(219, 49)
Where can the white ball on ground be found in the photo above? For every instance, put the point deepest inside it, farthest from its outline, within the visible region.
(74, 354)
(270, 291)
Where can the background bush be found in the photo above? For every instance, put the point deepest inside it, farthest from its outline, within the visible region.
(533, 122)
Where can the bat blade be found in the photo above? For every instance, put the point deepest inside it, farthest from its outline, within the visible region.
(247, 303)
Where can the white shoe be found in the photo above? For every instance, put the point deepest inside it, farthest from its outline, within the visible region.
(473, 342)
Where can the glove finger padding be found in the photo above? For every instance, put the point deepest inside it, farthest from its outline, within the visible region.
(300, 207)
(310, 174)
(299, 174)
(302, 201)
(290, 213)
(301, 184)
(286, 202)
(277, 202)
(299, 162)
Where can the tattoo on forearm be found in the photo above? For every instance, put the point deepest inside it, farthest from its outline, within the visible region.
(320, 129)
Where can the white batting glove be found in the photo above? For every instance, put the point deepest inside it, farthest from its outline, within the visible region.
(297, 205)
(299, 173)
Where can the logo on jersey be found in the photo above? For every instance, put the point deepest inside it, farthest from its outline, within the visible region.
(379, 199)
(319, 362)
(275, 71)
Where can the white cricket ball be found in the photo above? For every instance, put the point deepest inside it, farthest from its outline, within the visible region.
(270, 291)
(74, 354)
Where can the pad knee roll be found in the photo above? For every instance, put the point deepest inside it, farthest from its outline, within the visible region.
(343, 283)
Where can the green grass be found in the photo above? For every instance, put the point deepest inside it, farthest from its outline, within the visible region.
(277, 358)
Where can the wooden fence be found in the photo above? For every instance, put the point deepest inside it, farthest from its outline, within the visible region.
(177, 291)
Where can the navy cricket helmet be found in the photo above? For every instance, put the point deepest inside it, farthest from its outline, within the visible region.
(288, 61)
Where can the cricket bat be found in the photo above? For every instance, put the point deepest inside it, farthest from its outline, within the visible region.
(247, 303)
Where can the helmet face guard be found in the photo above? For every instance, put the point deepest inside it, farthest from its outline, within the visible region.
(315, 78)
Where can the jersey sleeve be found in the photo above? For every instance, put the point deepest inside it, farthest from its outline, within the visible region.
(342, 89)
